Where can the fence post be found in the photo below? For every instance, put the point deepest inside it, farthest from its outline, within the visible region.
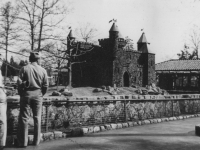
(193, 107)
(125, 111)
(47, 117)
(172, 108)
(165, 113)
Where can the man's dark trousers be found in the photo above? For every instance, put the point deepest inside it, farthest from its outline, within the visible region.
(33, 101)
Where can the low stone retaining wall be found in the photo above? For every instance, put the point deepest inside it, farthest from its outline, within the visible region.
(81, 131)
(61, 113)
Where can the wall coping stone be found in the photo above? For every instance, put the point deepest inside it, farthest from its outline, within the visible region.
(134, 96)
(110, 97)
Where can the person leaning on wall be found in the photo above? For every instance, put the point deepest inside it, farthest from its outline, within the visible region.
(3, 116)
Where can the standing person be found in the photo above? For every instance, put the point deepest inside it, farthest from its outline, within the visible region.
(32, 85)
(3, 116)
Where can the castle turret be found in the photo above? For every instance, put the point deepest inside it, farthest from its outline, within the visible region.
(70, 35)
(113, 40)
(148, 60)
(142, 44)
(70, 38)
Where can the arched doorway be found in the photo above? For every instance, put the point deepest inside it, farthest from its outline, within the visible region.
(126, 79)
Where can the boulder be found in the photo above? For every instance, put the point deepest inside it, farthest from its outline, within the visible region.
(97, 90)
(56, 93)
(67, 93)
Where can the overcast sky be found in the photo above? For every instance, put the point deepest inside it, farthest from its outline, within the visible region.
(167, 23)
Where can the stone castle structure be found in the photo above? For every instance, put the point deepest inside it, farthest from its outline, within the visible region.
(115, 62)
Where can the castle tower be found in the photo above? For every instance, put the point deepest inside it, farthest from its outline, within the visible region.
(70, 37)
(148, 61)
(113, 40)
(142, 44)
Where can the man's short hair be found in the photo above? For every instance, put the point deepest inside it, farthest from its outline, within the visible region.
(34, 56)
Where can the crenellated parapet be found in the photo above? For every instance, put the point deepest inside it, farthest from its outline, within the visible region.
(104, 43)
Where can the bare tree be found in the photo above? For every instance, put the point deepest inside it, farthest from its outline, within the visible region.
(8, 27)
(129, 44)
(71, 53)
(184, 53)
(54, 57)
(40, 19)
(74, 53)
(191, 49)
(86, 32)
(195, 41)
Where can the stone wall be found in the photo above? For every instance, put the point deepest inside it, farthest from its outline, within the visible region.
(84, 111)
(128, 62)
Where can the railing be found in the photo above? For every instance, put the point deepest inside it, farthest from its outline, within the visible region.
(65, 114)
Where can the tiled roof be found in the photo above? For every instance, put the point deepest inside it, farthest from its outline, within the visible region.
(175, 64)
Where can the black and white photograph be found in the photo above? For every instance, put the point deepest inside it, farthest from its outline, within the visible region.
(100, 74)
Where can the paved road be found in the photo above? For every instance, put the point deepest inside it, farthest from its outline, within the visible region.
(174, 135)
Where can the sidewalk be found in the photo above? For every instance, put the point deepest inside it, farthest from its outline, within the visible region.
(173, 135)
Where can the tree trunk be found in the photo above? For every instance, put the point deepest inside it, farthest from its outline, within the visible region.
(70, 74)
(6, 42)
